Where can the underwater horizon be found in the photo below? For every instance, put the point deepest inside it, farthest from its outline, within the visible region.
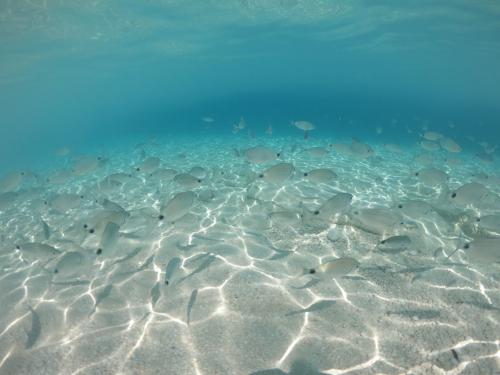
(249, 187)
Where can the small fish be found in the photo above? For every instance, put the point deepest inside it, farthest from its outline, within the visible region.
(35, 330)
(455, 355)
(71, 283)
(101, 296)
(394, 244)
(419, 314)
(146, 264)
(335, 268)
(317, 306)
(280, 254)
(46, 230)
(185, 247)
(309, 284)
(172, 266)
(201, 267)
(190, 304)
(132, 254)
(155, 294)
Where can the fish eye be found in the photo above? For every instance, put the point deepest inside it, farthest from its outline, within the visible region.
(161, 217)
(138, 169)
(199, 181)
(85, 226)
(382, 242)
(81, 197)
(18, 247)
(45, 203)
(278, 154)
(56, 270)
(400, 206)
(454, 195)
(222, 173)
(466, 246)
(99, 251)
(312, 271)
(478, 219)
(316, 212)
(306, 174)
(261, 175)
(416, 174)
(91, 231)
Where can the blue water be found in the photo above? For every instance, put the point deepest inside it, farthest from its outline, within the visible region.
(116, 83)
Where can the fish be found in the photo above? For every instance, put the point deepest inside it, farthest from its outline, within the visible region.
(192, 300)
(155, 294)
(46, 230)
(34, 332)
(208, 261)
(261, 155)
(322, 175)
(104, 293)
(394, 244)
(132, 254)
(317, 306)
(177, 207)
(172, 266)
(37, 250)
(419, 314)
(109, 237)
(307, 285)
(185, 247)
(71, 283)
(335, 268)
(278, 174)
(187, 181)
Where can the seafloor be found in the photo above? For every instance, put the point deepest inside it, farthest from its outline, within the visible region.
(238, 302)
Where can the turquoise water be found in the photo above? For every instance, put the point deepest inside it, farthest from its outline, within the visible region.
(163, 210)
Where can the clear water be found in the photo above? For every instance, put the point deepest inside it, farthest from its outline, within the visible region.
(90, 90)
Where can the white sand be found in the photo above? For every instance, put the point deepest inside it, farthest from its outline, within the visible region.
(398, 313)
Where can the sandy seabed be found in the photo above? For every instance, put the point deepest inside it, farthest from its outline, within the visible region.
(238, 302)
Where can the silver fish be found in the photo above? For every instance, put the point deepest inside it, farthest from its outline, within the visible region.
(36, 329)
(172, 266)
(191, 302)
(155, 294)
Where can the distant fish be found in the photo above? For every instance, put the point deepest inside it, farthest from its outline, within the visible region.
(240, 125)
(450, 145)
(269, 130)
(432, 136)
(34, 332)
(63, 151)
(306, 126)
(207, 119)
(192, 300)
(172, 266)
(11, 182)
(317, 306)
